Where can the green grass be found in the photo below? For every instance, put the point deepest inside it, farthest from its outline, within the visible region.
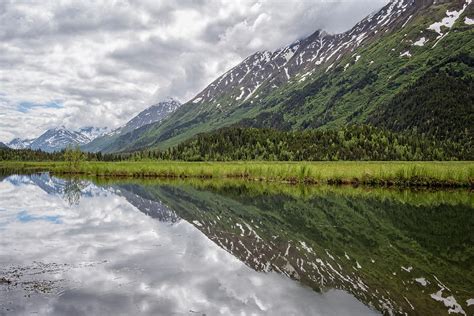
(431, 174)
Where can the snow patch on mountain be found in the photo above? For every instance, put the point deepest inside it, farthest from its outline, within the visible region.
(421, 42)
(449, 301)
(406, 54)
(447, 22)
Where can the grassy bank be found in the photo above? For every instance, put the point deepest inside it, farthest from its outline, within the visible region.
(432, 174)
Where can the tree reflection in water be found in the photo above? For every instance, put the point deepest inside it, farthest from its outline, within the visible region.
(73, 190)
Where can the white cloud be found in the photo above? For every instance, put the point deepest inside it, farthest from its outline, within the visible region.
(107, 60)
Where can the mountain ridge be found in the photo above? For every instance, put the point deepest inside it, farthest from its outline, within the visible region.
(338, 79)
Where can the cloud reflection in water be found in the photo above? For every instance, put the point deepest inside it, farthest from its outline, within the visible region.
(114, 259)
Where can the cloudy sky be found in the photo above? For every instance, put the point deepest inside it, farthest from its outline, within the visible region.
(82, 63)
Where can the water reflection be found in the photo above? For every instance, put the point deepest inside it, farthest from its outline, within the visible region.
(400, 252)
(105, 254)
(73, 190)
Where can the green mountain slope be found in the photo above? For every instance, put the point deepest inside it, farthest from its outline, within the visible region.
(396, 69)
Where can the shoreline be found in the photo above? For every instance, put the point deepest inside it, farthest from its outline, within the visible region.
(377, 174)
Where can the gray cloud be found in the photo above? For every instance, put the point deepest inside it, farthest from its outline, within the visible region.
(108, 60)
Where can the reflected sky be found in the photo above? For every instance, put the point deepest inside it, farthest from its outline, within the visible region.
(101, 255)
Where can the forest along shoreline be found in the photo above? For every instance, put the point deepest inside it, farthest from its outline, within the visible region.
(385, 174)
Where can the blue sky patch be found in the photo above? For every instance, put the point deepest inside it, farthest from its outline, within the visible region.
(26, 106)
(24, 217)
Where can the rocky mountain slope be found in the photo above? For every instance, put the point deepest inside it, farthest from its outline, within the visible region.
(360, 76)
(154, 114)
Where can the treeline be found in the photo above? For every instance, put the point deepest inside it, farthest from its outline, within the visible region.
(359, 142)
(38, 155)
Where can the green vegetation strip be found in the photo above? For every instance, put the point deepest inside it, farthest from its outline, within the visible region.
(428, 174)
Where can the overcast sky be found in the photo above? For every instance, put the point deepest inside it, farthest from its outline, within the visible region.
(98, 63)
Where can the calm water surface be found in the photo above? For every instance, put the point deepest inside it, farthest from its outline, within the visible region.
(72, 247)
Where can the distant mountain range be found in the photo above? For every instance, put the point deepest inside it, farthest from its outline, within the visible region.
(407, 67)
(56, 139)
(59, 138)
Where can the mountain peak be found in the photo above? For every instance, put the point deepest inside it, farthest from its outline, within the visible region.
(152, 114)
(59, 128)
(169, 99)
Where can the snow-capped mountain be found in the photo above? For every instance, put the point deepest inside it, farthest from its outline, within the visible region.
(19, 143)
(57, 139)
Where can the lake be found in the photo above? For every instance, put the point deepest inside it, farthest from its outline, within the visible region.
(127, 247)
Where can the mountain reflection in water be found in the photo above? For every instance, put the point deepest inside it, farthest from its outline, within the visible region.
(231, 248)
